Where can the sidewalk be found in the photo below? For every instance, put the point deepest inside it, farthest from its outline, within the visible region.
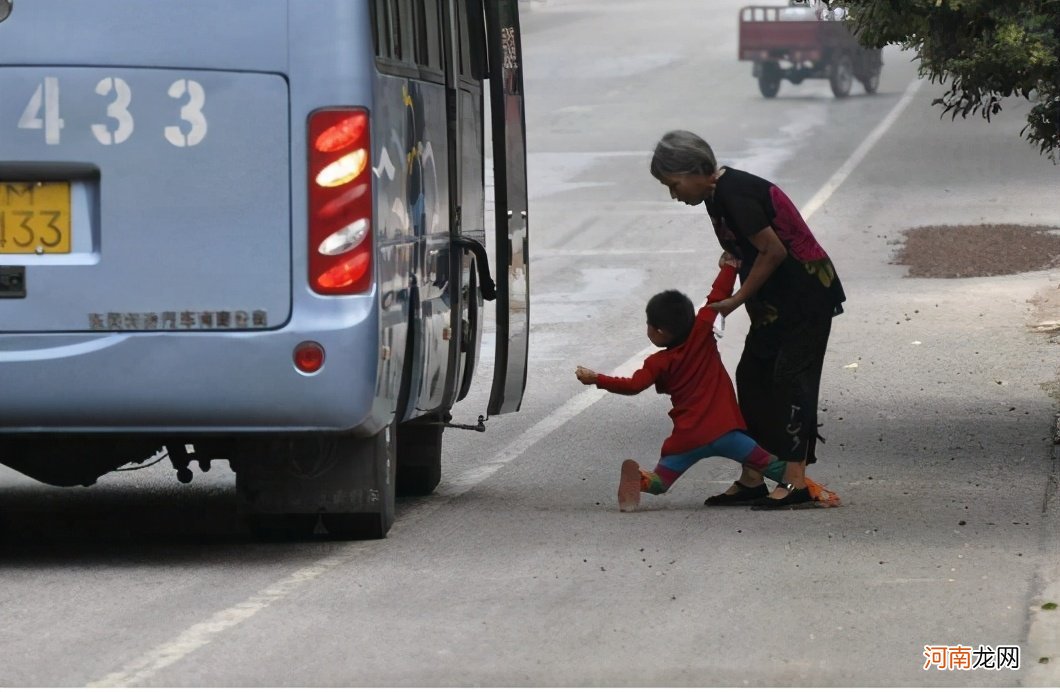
(955, 387)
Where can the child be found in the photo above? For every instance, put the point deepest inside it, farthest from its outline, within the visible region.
(706, 416)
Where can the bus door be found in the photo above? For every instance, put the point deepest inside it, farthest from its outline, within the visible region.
(512, 230)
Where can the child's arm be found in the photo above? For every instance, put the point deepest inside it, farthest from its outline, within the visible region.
(723, 284)
(641, 380)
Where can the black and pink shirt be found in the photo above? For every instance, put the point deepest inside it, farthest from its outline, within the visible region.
(805, 285)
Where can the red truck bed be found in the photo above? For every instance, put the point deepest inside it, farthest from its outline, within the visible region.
(767, 34)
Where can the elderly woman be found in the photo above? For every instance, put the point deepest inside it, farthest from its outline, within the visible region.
(791, 292)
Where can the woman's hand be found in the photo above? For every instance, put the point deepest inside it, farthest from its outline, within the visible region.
(585, 375)
(724, 307)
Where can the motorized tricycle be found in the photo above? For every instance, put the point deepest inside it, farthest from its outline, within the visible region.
(799, 42)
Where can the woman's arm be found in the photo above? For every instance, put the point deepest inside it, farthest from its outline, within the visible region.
(771, 254)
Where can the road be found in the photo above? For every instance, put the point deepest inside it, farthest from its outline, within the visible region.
(520, 571)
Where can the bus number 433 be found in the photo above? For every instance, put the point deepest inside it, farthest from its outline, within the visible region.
(42, 112)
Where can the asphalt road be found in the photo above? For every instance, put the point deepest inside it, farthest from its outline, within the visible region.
(520, 570)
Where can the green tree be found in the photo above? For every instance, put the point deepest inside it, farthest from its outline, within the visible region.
(985, 50)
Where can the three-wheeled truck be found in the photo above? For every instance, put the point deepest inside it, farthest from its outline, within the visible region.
(797, 43)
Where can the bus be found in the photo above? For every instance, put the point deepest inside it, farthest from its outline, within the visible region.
(257, 232)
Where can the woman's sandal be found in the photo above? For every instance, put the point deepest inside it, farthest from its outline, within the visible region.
(744, 496)
(794, 498)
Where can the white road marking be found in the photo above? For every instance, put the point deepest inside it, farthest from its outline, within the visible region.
(616, 252)
(541, 429)
(138, 671)
(833, 183)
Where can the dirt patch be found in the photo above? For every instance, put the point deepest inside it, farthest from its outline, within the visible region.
(951, 252)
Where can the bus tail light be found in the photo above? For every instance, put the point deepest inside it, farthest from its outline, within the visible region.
(340, 201)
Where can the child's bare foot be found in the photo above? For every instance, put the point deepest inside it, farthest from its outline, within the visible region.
(629, 487)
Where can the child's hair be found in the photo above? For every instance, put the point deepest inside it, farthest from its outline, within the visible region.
(672, 310)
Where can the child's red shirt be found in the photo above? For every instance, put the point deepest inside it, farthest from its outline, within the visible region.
(704, 401)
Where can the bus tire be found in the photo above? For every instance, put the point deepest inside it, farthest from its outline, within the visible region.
(419, 455)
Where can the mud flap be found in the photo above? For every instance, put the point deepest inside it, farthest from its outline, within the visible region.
(349, 481)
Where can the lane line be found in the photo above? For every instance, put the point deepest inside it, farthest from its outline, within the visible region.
(844, 171)
(141, 669)
(611, 252)
(138, 671)
(545, 426)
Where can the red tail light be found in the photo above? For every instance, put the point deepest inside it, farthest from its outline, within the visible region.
(340, 201)
(309, 356)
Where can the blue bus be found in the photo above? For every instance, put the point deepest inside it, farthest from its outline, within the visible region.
(257, 231)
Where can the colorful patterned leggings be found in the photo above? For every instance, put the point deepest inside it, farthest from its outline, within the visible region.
(735, 445)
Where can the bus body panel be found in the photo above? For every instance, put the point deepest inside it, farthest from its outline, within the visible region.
(193, 293)
(179, 214)
(180, 307)
(210, 382)
(412, 210)
(231, 35)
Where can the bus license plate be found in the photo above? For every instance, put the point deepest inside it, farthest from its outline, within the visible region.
(34, 218)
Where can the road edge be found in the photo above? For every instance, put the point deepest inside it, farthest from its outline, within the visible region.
(1042, 657)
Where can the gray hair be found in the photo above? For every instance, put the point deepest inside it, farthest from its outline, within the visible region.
(680, 152)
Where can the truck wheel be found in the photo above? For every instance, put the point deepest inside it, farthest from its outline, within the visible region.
(872, 80)
(769, 77)
(842, 76)
(419, 457)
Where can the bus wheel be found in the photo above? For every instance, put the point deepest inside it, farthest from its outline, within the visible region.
(419, 456)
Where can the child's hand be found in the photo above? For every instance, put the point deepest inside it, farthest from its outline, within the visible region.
(585, 375)
(728, 259)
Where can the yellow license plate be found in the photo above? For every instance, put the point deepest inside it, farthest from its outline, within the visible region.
(34, 218)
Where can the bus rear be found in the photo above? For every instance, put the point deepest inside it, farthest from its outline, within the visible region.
(191, 254)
